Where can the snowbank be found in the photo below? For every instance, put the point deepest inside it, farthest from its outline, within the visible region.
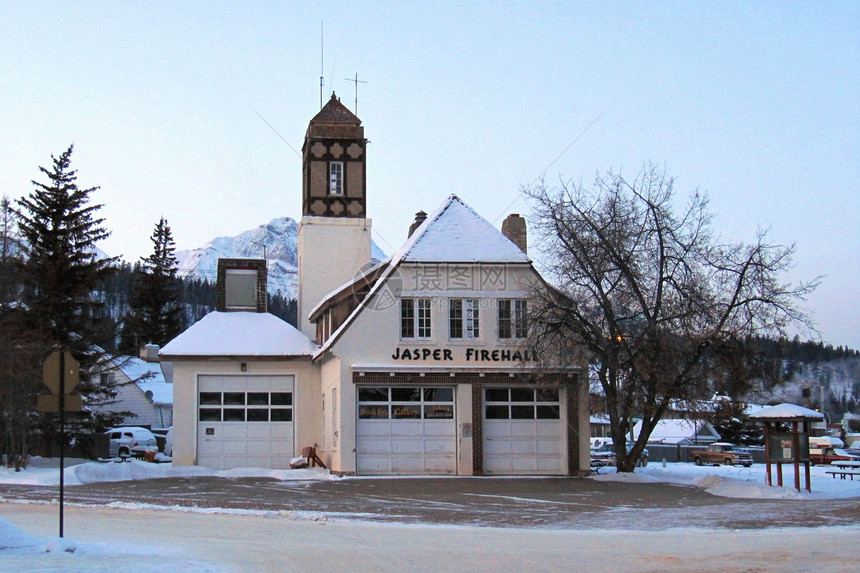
(737, 482)
(77, 473)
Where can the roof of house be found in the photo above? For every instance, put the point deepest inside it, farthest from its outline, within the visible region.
(453, 233)
(456, 233)
(229, 334)
(674, 430)
(147, 376)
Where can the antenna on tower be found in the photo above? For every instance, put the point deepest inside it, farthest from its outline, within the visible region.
(356, 81)
(322, 65)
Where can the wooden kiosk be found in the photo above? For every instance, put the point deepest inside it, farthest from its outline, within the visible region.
(786, 440)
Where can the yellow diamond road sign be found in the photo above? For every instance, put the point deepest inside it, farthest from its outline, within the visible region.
(51, 372)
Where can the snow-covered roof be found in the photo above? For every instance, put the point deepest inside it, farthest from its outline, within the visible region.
(240, 334)
(147, 376)
(456, 233)
(787, 411)
(673, 430)
(453, 233)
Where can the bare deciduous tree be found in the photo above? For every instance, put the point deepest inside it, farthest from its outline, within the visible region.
(663, 308)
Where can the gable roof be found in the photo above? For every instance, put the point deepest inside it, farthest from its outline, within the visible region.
(674, 430)
(454, 233)
(237, 334)
(147, 376)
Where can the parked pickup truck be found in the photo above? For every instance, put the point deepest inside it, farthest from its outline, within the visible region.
(829, 455)
(721, 453)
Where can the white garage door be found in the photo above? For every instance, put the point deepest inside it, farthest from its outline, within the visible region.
(245, 421)
(406, 430)
(523, 433)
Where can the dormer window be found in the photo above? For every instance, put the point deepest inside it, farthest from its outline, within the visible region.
(335, 178)
(240, 289)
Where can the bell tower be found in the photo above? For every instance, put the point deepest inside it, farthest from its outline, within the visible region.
(334, 233)
(333, 164)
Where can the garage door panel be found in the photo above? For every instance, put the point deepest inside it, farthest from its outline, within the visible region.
(407, 446)
(549, 447)
(519, 447)
(373, 446)
(497, 446)
(374, 464)
(374, 428)
(520, 429)
(408, 464)
(440, 429)
(440, 446)
(412, 428)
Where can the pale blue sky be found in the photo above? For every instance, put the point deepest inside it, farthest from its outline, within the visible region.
(755, 103)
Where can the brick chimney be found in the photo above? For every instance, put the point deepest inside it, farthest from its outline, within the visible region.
(420, 217)
(514, 228)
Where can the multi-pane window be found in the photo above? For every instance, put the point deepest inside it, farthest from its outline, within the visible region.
(335, 178)
(464, 318)
(415, 318)
(246, 407)
(521, 404)
(406, 403)
(512, 319)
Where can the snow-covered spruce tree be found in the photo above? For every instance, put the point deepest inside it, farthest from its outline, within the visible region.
(61, 276)
(155, 315)
(664, 310)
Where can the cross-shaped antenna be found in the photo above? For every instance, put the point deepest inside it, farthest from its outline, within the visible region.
(356, 81)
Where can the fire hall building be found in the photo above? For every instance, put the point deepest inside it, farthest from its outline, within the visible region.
(416, 365)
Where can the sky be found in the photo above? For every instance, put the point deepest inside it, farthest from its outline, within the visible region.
(196, 111)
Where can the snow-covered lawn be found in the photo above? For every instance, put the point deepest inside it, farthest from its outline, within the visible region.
(740, 482)
(126, 537)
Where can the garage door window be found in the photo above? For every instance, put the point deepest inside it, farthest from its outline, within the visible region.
(246, 407)
(405, 403)
(521, 404)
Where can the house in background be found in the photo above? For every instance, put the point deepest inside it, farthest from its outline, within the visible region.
(142, 389)
(676, 431)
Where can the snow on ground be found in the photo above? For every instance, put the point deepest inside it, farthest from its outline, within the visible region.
(77, 472)
(740, 482)
(724, 481)
(132, 537)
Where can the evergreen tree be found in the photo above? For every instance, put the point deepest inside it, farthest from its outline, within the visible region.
(61, 276)
(155, 315)
(62, 270)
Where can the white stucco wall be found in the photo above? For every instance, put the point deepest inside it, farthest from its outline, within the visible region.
(331, 251)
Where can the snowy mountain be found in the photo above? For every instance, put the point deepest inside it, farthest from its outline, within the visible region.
(276, 239)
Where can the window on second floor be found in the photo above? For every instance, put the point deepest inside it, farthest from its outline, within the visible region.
(335, 178)
(415, 318)
(512, 319)
(464, 318)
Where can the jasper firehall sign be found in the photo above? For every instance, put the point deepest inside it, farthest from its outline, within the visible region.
(468, 354)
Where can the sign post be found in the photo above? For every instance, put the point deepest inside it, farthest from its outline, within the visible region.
(61, 374)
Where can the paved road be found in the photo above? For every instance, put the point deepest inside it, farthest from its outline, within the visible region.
(496, 502)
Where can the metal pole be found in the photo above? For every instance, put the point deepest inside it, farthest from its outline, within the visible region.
(62, 430)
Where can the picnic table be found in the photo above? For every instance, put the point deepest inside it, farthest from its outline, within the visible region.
(843, 469)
